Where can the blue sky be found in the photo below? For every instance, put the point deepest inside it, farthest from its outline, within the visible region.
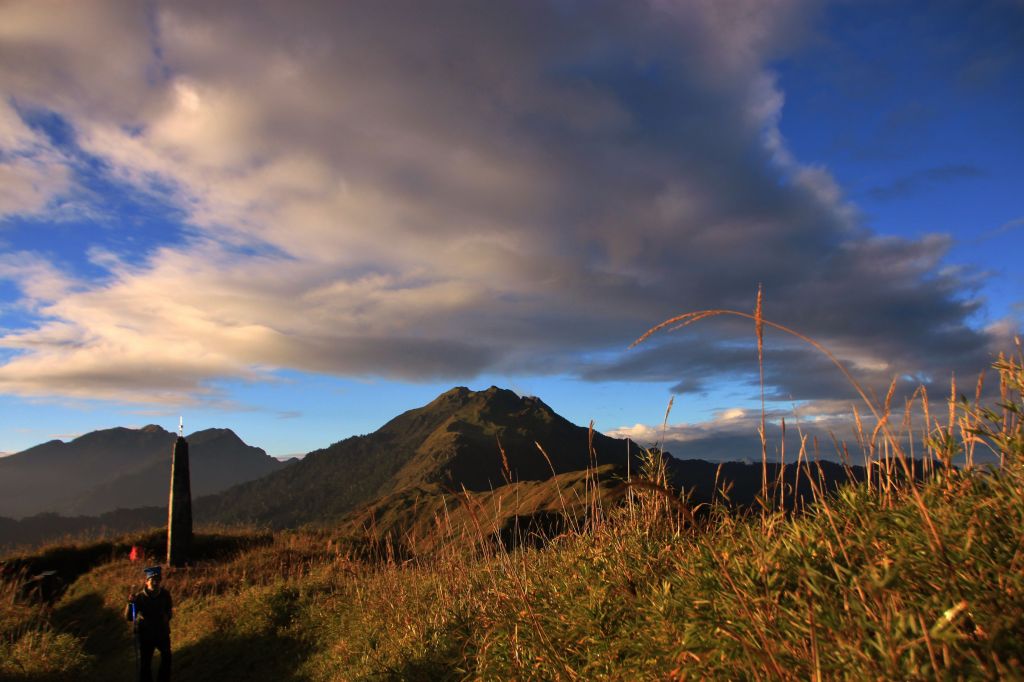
(297, 222)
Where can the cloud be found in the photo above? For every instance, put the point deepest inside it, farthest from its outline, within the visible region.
(433, 191)
(928, 178)
(732, 433)
(825, 429)
(32, 173)
(184, 320)
(39, 280)
(88, 58)
(1008, 226)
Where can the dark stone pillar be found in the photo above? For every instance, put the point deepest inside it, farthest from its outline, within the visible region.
(179, 508)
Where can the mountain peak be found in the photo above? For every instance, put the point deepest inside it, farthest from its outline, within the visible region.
(501, 393)
(454, 439)
(462, 395)
(493, 404)
(461, 439)
(153, 428)
(215, 433)
(457, 395)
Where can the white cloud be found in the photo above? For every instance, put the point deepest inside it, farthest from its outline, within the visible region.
(732, 433)
(40, 281)
(28, 185)
(32, 173)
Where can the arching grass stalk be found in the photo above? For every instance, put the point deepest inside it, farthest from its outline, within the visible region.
(686, 319)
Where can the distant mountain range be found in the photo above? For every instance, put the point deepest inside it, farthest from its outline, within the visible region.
(480, 449)
(122, 468)
(416, 466)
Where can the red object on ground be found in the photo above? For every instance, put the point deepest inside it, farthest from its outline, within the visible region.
(135, 554)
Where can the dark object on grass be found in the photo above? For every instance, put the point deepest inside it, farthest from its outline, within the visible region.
(42, 587)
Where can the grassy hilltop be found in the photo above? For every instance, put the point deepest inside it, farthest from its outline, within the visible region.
(886, 579)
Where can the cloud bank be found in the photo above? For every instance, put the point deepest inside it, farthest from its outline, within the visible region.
(433, 190)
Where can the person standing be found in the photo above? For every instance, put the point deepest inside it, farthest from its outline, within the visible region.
(151, 611)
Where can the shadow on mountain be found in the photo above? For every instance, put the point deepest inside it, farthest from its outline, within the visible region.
(100, 627)
(30, 677)
(536, 530)
(271, 654)
(267, 656)
(105, 636)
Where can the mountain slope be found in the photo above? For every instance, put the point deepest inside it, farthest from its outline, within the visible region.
(121, 468)
(218, 459)
(450, 443)
(422, 518)
(45, 477)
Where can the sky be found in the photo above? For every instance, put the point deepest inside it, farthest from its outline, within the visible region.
(297, 220)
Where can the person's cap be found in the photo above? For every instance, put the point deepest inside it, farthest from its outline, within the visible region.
(152, 572)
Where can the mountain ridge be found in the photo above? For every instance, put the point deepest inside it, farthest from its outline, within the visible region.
(120, 467)
(489, 446)
(451, 441)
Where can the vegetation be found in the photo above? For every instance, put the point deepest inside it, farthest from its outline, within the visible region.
(907, 575)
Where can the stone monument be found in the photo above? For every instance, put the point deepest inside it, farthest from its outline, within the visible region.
(179, 506)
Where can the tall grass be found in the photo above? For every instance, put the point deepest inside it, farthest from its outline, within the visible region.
(910, 575)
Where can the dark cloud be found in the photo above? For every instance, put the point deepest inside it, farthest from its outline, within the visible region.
(412, 359)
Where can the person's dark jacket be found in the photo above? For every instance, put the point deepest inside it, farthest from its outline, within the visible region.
(153, 612)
